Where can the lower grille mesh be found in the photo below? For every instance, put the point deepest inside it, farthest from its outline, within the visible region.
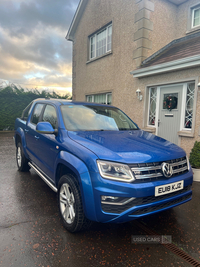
(141, 201)
(161, 206)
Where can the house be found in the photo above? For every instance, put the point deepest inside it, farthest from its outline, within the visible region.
(142, 56)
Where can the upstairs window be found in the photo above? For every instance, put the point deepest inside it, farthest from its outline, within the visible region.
(196, 17)
(101, 42)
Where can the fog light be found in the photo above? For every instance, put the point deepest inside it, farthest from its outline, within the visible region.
(111, 198)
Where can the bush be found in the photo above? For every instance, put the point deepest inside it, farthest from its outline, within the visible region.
(195, 155)
(14, 100)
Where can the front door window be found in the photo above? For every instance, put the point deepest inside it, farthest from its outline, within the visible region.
(170, 101)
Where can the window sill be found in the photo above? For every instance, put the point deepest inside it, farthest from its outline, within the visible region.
(193, 30)
(150, 129)
(186, 134)
(96, 58)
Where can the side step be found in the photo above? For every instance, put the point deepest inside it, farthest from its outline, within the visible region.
(43, 177)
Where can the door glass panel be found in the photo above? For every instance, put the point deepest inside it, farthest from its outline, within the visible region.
(189, 105)
(152, 105)
(170, 101)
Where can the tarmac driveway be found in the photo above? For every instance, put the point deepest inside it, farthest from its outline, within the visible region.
(31, 233)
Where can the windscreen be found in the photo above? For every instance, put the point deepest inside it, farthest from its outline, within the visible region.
(95, 118)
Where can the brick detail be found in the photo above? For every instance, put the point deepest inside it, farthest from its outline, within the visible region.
(144, 43)
(140, 52)
(139, 60)
(141, 33)
(144, 13)
(146, 4)
(144, 26)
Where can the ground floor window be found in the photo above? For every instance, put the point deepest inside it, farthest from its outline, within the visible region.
(105, 98)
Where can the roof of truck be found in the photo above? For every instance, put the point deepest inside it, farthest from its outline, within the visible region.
(67, 102)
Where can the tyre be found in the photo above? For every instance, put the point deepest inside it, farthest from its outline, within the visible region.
(22, 162)
(70, 205)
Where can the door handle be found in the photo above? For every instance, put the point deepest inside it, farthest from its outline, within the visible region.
(36, 137)
(26, 131)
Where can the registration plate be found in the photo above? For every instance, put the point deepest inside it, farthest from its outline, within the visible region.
(168, 188)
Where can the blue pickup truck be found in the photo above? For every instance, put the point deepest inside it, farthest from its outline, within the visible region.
(102, 166)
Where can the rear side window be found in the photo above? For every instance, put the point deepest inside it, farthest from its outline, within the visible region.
(50, 115)
(36, 113)
(26, 112)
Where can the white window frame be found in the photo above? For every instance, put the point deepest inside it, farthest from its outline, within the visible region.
(149, 92)
(184, 108)
(95, 41)
(192, 24)
(107, 94)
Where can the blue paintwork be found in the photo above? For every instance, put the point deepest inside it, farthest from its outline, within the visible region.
(44, 127)
(128, 146)
(79, 151)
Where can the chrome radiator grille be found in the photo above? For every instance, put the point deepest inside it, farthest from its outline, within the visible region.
(153, 170)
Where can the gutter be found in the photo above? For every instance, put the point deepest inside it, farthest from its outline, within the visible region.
(188, 62)
(76, 19)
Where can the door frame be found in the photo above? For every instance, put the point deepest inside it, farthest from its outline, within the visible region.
(182, 104)
(184, 132)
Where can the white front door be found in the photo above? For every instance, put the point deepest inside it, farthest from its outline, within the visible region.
(169, 112)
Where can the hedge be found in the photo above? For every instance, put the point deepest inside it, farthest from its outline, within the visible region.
(13, 101)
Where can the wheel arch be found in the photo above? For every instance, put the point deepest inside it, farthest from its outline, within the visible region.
(20, 137)
(70, 164)
(64, 168)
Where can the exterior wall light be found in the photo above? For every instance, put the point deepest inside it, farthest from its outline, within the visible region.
(139, 94)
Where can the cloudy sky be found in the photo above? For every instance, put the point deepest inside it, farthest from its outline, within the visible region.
(33, 50)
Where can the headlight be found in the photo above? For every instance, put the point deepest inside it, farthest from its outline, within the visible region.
(115, 171)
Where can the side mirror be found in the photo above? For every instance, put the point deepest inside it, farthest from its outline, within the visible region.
(45, 128)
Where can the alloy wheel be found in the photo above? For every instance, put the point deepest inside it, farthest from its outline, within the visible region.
(67, 202)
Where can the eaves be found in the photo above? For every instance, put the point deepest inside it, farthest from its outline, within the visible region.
(188, 62)
(76, 19)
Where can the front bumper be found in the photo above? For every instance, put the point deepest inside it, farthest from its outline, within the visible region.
(143, 197)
